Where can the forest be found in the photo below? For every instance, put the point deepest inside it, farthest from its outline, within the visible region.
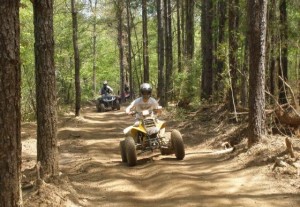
(233, 61)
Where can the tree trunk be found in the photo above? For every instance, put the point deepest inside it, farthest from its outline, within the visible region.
(179, 53)
(94, 56)
(283, 58)
(273, 42)
(183, 39)
(160, 51)
(138, 63)
(94, 9)
(47, 151)
(145, 41)
(186, 91)
(168, 49)
(190, 29)
(207, 48)
(219, 86)
(245, 75)
(128, 13)
(10, 109)
(76, 60)
(120, 11)
(233, 17)
(257, 39)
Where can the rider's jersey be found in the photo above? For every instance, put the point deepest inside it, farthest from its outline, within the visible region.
(139, 105)
(106, 90)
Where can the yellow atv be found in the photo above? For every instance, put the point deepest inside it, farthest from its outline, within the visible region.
(148, 135)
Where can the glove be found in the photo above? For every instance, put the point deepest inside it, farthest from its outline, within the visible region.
(131, 112)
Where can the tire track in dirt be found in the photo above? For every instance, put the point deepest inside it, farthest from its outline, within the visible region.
(90, 158)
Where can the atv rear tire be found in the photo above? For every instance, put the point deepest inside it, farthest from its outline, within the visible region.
(123, 151)
(130, 151)
(177, 144)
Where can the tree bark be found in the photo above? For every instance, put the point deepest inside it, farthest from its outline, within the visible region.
(160, 52)
(207, 48)
(233, 18)
(179, 51)
(10, 110)
(94, 36)
(190, 30)
(120, 14)
(273, 42)
(245, 75)
(183, 38)
(129, 48)
(283, 55)
(220, 62)
(137, 63)
(145, 41)
(47, 151)
(168, 49)
(76, 59)
(257, 11)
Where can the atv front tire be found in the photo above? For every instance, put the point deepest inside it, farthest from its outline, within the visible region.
(102, 107)
(130, 151)
(118, 105)
(177, 144)
(123, 151)
(98, 108)
(98, 105)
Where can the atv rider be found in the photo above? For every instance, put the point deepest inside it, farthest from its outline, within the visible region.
(106, 89)
(145, 102)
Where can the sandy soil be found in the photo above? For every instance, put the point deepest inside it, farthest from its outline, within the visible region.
(92, 173)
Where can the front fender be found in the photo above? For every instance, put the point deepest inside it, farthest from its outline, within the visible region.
(127, 130)
(160, 124)
(132, 130)
(135, 130)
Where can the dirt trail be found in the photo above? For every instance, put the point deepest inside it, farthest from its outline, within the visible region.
(90, 159)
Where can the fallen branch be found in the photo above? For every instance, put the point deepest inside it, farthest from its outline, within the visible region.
(217, 152)
(226, 145)
(220, 152)
(294, 102)
(279, 163)
(285, 117)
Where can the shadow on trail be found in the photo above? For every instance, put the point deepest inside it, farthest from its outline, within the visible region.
(156, 183)
(95, 125)
(90, 157)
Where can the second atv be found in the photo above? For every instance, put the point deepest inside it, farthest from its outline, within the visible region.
(108, 102)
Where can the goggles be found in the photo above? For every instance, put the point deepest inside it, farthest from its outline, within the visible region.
(146, 93)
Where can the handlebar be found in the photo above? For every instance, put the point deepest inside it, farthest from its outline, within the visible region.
(145, 112)
(132, 113)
